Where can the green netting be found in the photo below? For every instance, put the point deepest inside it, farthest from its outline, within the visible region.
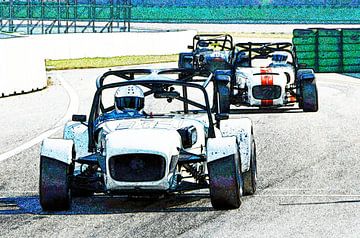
(304, 33)
(329, 32)
(328, 47)
(304, 40)
(329, 54)
(306, 55)
(351, 61)
(354, 39)
(335, 50)
(329, 62)
(329, 40)
(351, 32)
(351, 47)
(265, 14)
(351, 53)
(20, 11)
(305, 48)
(329, 69)
(351, 68)
(310, 62)
(53, 11)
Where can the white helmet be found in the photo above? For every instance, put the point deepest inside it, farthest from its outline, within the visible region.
(279, 58)
(129, 98)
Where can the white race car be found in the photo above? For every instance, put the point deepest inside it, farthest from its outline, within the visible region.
(178, 143)
(267, 75)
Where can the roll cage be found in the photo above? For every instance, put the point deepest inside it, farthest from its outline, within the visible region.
(261, 51)
(224, 41)
(158, 85)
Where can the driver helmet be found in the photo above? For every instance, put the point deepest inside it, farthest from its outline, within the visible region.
(279, 58)
(129, 97)
(203, 44)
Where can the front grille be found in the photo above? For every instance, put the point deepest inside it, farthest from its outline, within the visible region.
(137, 167)
(266, 92)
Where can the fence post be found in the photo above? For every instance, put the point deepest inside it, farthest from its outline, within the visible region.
(11, 13)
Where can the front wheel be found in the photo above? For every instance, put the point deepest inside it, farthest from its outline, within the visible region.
(309, 96)
(54, 186)
(225, 182)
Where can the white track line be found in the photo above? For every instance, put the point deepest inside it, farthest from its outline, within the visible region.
(308, 195)
(72, 108)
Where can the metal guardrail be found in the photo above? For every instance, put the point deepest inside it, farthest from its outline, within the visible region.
(64, 16)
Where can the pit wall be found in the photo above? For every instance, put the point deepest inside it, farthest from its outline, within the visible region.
(22, 59)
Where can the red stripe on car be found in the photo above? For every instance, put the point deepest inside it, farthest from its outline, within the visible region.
(266, 80)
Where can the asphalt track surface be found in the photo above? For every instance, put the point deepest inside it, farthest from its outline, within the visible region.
(308, 181)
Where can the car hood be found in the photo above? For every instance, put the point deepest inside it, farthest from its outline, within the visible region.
(257, 76)
(152, 140)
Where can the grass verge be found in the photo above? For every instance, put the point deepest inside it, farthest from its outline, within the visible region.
(102, 62)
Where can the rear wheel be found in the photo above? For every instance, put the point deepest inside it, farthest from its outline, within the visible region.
(54, 184)
(225, 182)
(250, 176)
(309, 96)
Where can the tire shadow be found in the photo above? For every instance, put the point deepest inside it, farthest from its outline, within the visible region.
(102, 204)
(264, 110)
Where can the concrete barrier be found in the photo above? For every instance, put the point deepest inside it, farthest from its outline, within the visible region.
(70, 46)
(22, 68)
(22, 60)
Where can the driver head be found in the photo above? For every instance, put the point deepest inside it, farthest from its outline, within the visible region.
(129, 98)
(279, 58)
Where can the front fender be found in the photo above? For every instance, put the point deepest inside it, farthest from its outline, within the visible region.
(242, 129)
(78, 133)
(218, 148)
(58, 149)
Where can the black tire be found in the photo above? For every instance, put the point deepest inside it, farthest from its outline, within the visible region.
(54, 189)
(309, 96)
(225, 182)
(223, 96)
(250, 176)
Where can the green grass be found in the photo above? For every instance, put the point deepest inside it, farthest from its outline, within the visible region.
(102, 62)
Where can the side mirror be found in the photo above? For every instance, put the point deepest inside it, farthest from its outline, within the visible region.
(190, 47)
(221, 116)
(79, 118)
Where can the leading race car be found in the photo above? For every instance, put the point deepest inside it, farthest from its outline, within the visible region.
(159, 134)
(256, 81)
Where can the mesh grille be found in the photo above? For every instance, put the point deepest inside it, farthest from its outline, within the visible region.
(266, 92)
(137, 167)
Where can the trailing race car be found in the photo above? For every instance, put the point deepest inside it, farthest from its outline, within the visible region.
(159, 135)
(255, 80)
(209, 51)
